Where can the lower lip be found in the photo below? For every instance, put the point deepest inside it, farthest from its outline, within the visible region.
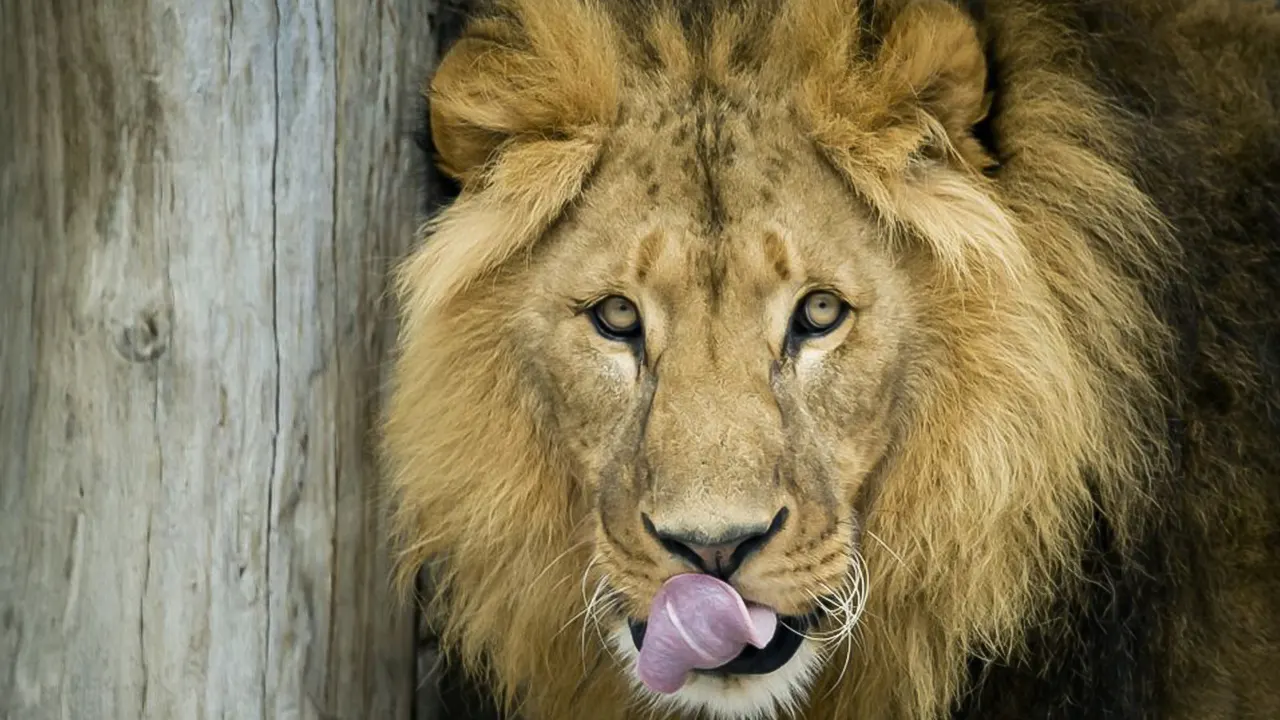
(754, 661)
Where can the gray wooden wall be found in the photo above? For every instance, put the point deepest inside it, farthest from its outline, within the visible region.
(199, 203)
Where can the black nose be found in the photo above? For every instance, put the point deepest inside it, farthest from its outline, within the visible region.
(720, 553)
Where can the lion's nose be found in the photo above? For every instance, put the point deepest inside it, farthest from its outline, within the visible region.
(721, 551)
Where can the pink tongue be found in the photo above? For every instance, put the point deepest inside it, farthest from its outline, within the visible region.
(698, 622)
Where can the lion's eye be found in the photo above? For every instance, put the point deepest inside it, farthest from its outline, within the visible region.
(817, 314)
(617, 318)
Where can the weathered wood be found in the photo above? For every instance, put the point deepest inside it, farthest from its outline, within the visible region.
(198, 206)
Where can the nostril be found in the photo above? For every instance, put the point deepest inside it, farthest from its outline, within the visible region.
(676, 543)
(719, 552)
(750, 545)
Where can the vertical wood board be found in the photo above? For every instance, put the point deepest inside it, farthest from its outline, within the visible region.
(199, 204)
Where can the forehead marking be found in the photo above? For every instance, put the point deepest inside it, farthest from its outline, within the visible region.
(647, 253)
(712, 266)
(713, 147)
(775, 253)
(646, 168)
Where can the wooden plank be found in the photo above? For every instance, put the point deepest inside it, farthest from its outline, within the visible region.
(198, 206)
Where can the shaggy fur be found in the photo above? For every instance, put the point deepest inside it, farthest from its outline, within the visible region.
(1040, 465)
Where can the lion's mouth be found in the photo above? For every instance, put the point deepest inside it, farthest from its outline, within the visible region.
(752, 660)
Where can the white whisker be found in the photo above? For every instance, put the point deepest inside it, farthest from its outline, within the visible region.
(887, 549)
(558, 558)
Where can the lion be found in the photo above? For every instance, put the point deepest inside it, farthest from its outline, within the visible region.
(945, 334)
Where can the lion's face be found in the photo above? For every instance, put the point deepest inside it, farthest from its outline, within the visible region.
(724, 341)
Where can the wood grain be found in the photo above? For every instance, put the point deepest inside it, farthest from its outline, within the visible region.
(199, 203)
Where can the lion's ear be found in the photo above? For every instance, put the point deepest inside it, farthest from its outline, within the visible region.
(933, 55)
(545, 71)
(520, 109)
(469, 121)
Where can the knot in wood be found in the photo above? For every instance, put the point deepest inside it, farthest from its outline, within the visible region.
(145, 339)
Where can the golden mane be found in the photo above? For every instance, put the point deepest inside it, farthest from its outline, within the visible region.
(1044, 410)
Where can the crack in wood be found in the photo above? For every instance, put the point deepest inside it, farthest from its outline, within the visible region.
(270, 520)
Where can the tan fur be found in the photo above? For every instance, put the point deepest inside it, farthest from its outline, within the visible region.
(1039, 353)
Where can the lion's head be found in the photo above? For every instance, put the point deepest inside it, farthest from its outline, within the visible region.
(735, 291)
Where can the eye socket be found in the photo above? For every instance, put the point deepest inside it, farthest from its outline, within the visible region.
(617, 318)
(817, 314)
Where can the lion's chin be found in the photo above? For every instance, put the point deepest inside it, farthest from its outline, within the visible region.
(780, 693)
